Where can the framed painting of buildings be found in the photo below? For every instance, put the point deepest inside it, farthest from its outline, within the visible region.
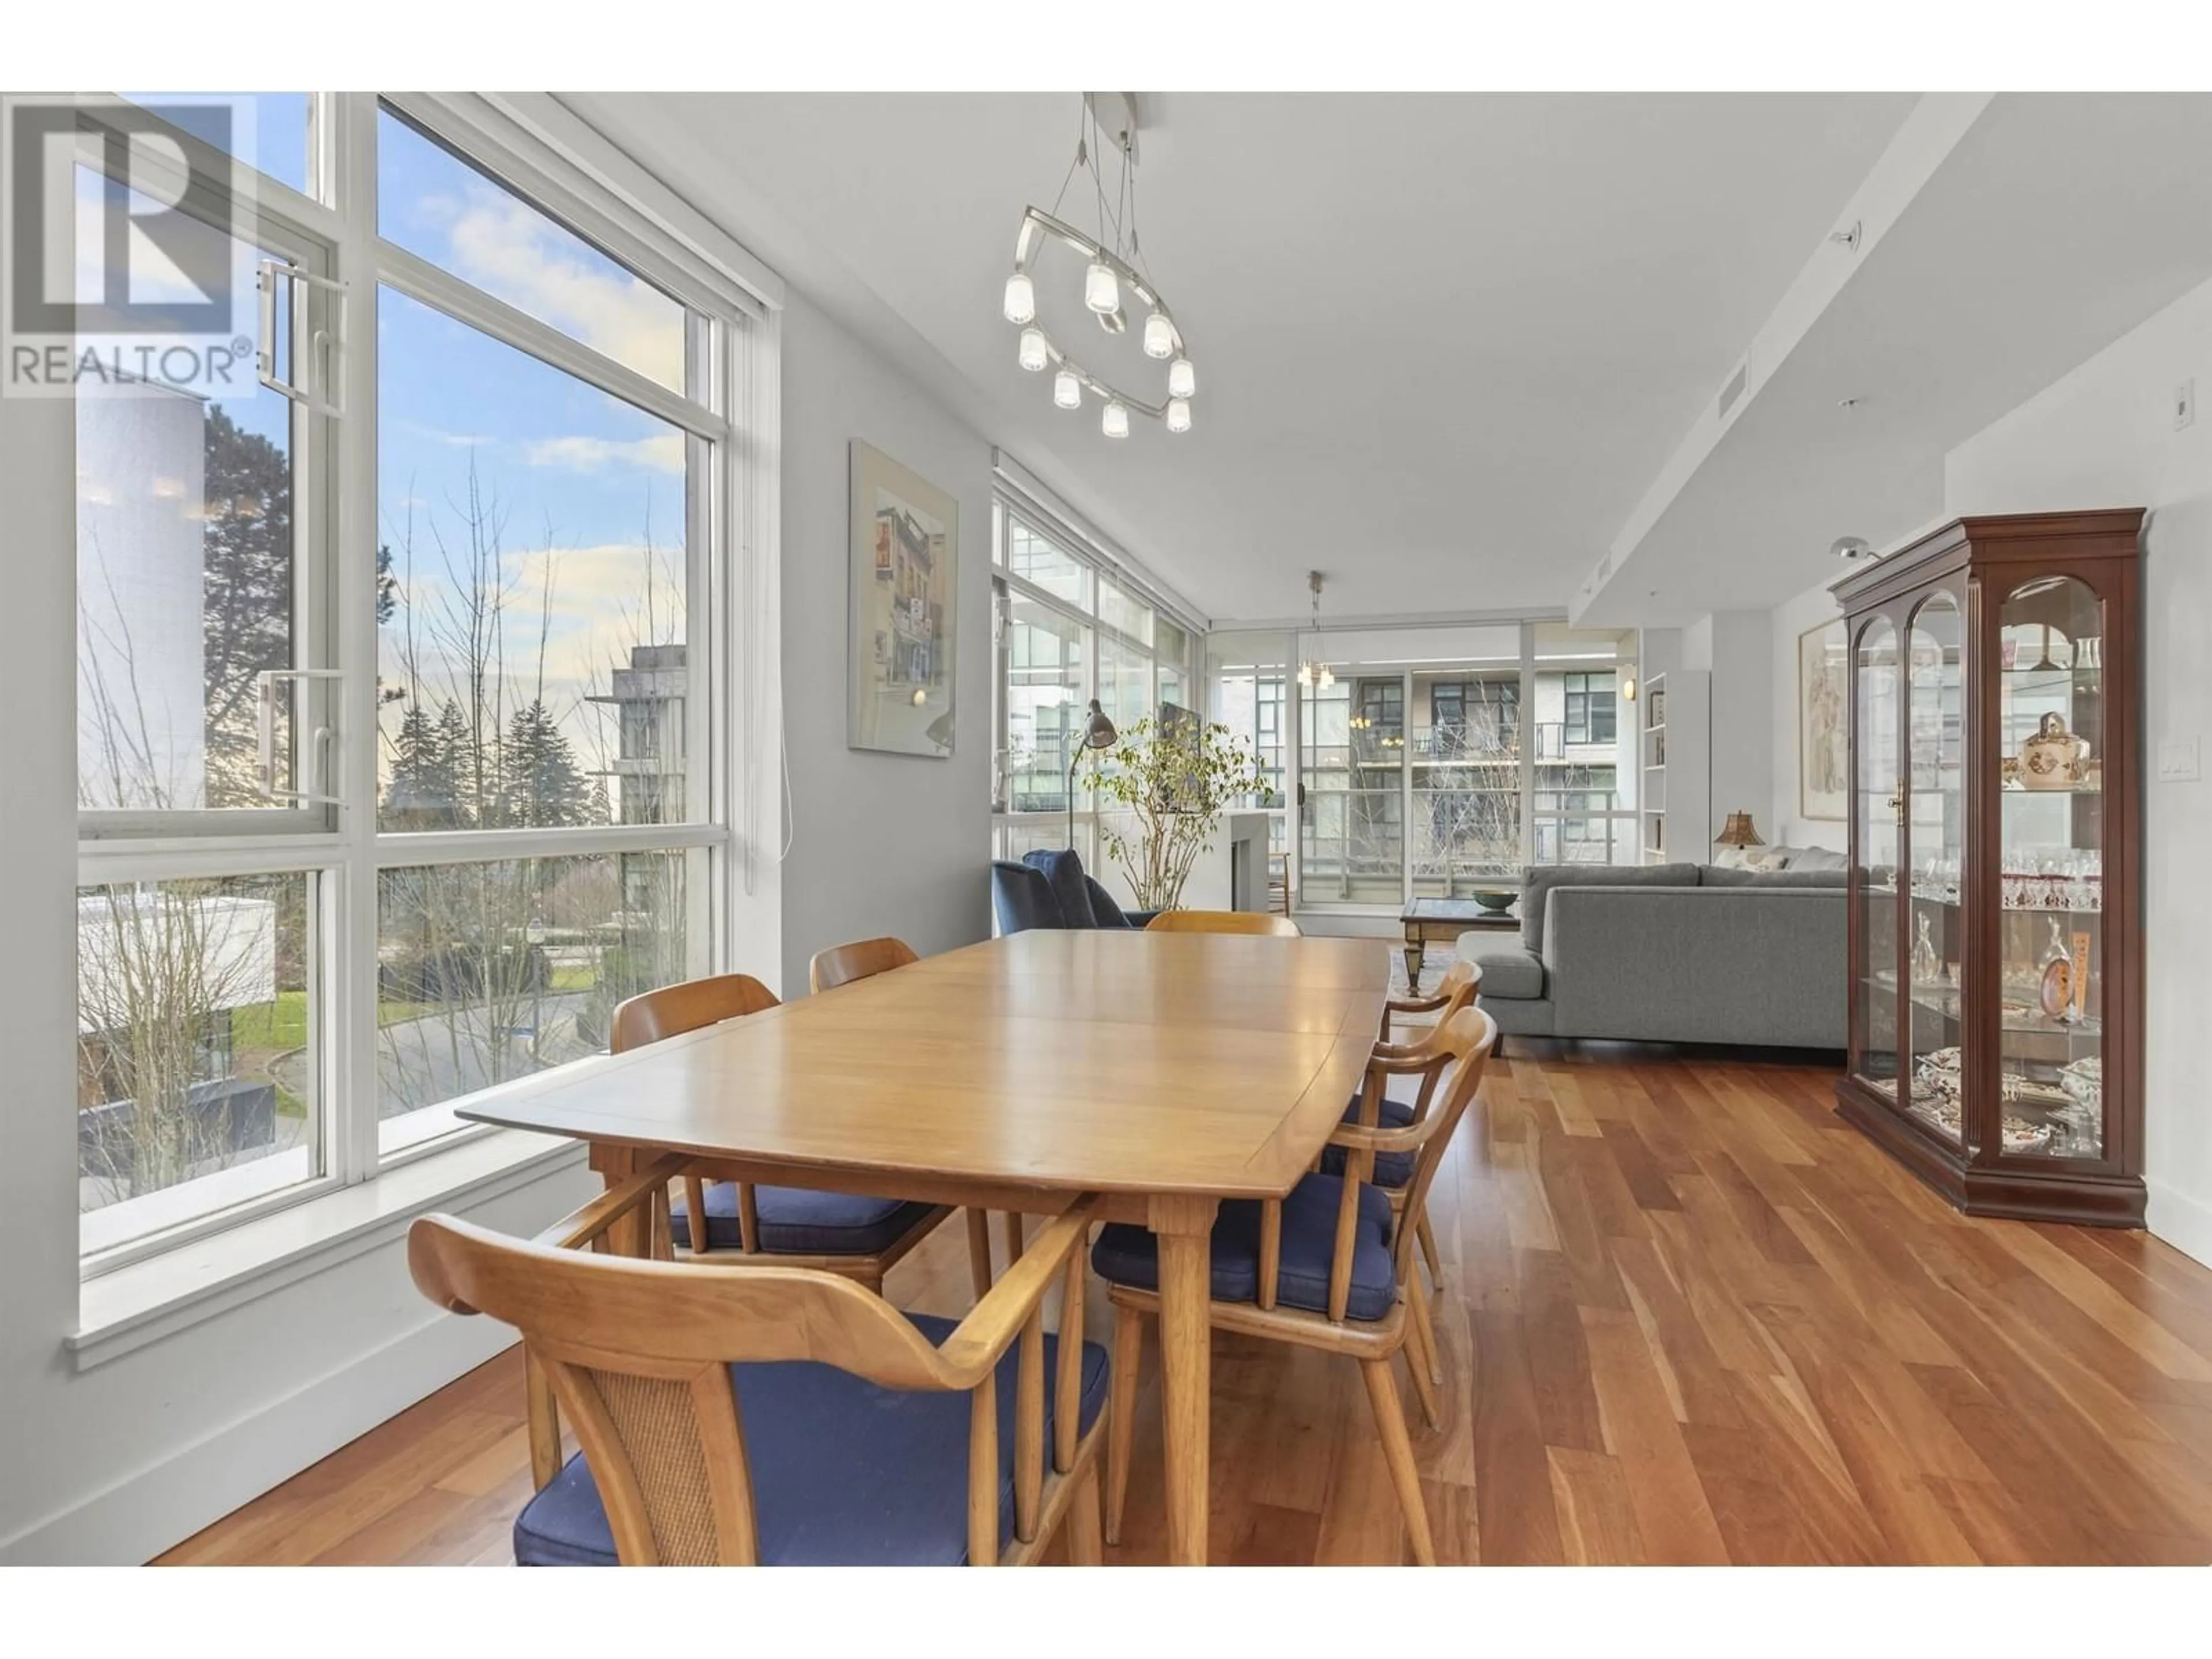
(904, 585)
(1823, 728)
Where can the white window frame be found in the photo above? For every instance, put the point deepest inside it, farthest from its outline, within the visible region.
(1010, 501)
(538, 150)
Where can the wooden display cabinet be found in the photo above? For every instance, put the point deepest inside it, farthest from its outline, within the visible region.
(1996, 1006)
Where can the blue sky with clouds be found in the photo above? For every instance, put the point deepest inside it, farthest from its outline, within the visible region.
(584, 493)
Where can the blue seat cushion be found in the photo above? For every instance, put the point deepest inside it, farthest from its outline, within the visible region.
(798, 1221)
(1063, 872)
(1129, 1256)
(844, 1473)
(1392, 1169)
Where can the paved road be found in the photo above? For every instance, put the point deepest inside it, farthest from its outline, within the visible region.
(433, 1058)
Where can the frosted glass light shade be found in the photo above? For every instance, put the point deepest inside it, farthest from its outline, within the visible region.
(1100, 291)
(1021, 298)
(1066, 390)
(1178, 415)
(1328, 677)
(1033, 353)
(1159, 336)
(1182, 379)
(1115, 423)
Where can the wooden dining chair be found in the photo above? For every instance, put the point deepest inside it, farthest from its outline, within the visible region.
(1324, 1267)
(785, 1416)
(793, 1226)
(1393, 1171)
(841, 964)
(1222, 921)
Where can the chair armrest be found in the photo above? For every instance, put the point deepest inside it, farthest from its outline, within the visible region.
(589, 1223)
(1409, 1006)
(993, 1324)
(1355, 1137)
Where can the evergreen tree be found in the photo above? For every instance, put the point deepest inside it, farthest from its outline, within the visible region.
(247, 602)
(456, 749)
(387, 585)
(542, 784)
(424, 792)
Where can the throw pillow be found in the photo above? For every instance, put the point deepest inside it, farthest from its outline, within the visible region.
(1819, 858)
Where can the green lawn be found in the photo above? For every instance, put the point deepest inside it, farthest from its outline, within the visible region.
(275, 1025)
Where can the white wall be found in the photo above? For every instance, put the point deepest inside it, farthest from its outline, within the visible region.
(882, 844)
(1734, 647)
(1785, 624)
(2104, 436)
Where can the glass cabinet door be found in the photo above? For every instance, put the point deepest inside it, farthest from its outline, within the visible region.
(1876, 784)
(2051, 941)
(1934, 829)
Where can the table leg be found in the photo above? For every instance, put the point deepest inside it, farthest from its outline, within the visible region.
(626, 1235)
(1416, 951)
(1184, 1227)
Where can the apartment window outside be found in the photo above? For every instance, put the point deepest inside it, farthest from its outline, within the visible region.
(1590, 707)
(536, 545)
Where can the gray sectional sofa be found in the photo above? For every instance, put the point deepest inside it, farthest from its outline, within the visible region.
(1671, 953)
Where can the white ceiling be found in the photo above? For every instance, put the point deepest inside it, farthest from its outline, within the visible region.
(1444, 342)
(2056, 223)
(1453, 349)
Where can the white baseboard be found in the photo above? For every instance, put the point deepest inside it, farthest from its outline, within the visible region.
(164, 1505)
(2182, 1220)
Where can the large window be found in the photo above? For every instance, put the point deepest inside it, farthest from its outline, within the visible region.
(1250, 673)
(1438, 761)
(1068, 628)
(327, 893)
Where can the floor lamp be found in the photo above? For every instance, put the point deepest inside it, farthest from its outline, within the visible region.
(1097, 733)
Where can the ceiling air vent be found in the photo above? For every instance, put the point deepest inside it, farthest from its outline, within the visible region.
(1734, 389)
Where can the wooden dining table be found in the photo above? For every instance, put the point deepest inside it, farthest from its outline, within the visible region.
(1167, 1071)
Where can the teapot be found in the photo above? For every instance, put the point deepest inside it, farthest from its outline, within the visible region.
(2053, 758)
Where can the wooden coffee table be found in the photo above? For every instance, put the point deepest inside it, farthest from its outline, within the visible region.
(1429, 918)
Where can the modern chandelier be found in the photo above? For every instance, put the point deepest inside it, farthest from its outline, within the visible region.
(1113, 265)
(1312, 674)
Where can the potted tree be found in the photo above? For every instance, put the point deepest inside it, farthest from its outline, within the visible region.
(1173, 782)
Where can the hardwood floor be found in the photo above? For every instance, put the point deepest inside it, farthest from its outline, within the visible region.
(1688, 1316)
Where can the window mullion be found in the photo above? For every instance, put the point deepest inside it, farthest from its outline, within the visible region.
(421, 281)
(350, 958)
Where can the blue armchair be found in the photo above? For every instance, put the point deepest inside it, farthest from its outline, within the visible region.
(1050, 889)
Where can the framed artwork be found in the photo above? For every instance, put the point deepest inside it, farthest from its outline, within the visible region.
(1824, 760)
(904, 591)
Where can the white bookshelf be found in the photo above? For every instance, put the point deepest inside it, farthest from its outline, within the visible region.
(1675, 752)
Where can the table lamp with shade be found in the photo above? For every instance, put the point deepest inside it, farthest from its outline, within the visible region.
(1739, 832)
(1096, 731)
